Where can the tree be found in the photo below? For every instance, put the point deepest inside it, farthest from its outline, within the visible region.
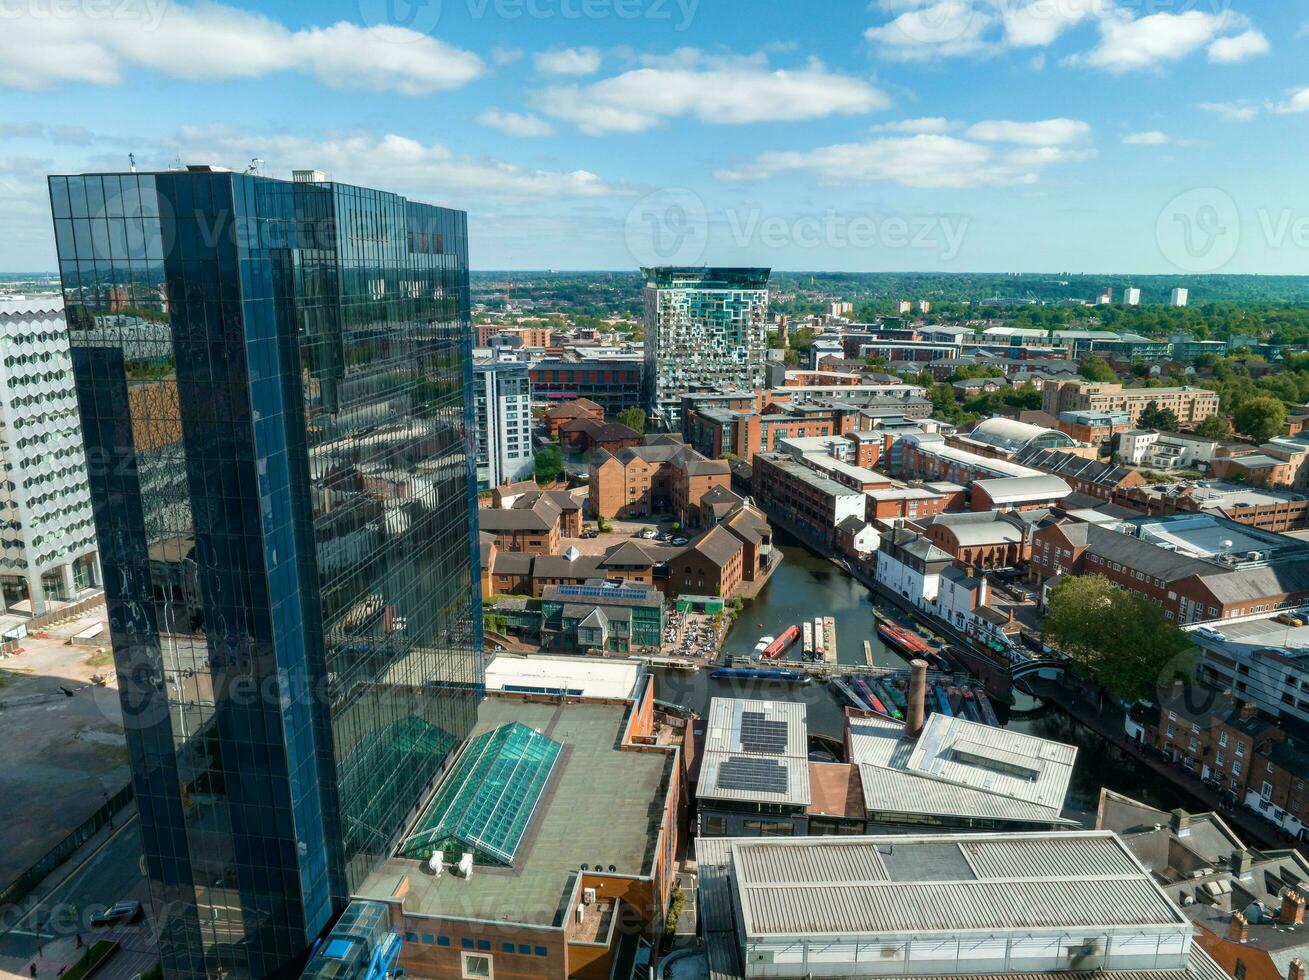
(1260, 418)
(633, 418)
(1159, 419)
(1119, 638)
(1215, 427)
(1097, 369)
(549, 464)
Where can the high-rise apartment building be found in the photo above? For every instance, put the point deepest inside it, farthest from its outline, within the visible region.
(1131, 296)
(704, 329)
(275, 383)
(1180, 297)
(503, 399)
(47, 531)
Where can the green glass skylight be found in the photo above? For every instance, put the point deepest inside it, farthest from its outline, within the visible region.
(487, 801)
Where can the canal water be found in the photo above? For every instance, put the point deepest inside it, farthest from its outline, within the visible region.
(805, 586)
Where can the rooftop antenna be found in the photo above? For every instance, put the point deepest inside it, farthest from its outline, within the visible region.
(131, 162)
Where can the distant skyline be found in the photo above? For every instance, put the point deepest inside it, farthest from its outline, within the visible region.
(1046, 136)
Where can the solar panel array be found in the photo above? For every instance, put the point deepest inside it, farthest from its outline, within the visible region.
(762, 734)
(752, 775)
(599, 592)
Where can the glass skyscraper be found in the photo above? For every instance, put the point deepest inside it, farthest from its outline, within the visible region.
(275, 384)
(705, 330)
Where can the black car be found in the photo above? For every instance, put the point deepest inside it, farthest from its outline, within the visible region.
(119, 912)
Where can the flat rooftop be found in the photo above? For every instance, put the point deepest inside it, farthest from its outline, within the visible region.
(601, 807)
(1206, 536)
(579, 676)
(880, 886)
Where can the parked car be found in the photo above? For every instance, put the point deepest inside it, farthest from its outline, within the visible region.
(590, 532)
(646, 533)
(678, 542)
(119, 912)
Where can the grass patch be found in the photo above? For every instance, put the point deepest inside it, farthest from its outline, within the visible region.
(95, 955)
(105, 659)
(10, 677)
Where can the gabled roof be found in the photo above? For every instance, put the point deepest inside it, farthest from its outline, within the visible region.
(628, 554)
(718, 546)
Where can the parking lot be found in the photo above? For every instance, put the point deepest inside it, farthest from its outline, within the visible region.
(621, 531)
(63, 738)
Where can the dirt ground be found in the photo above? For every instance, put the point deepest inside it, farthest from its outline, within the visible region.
(62, 754)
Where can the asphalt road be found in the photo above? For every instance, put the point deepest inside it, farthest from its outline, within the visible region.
(111, 873)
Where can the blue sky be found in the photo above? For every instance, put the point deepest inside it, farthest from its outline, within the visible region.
(1148, 136)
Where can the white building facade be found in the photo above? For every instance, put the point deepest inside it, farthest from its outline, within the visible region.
(47, 530)
(503, 399)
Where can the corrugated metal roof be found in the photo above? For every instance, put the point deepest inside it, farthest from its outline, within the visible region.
(1050, 857)
(835, 864)
(892, 791)
(893, 907)
(1006, 490)
(944, 883)
(723, 731)
(982, 757)
(901, 775)
(756, 751)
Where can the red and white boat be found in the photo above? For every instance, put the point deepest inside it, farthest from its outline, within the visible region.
(779, 645)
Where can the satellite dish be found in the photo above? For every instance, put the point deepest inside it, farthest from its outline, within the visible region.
(1225, 544)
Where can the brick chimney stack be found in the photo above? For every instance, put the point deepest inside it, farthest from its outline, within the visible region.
(1238, 930)
(1292, 908)
(1296, 970)
(917, 707)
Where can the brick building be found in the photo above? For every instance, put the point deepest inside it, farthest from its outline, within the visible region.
(570, 411)
(612, 383)
(713, 566)
(812, 503)
(586, 434)
(1086, 476)
(577, 805)
(1199, 568)
(657, 477)
(1191, 405)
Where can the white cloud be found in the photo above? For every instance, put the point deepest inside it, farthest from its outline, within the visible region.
(1151, 137)
(515, 123)
(505, 56)
(1233, 50)
(1041, 22)
(714, 92)
(943, 29)
(568, 61)
(1044, 132)
(208, 41)
(1238, 111)
(1297, 100)
(1128, 43)
(992, 153)
(928, 124)
(428, 172)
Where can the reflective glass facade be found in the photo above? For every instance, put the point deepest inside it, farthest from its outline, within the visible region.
(275, 384)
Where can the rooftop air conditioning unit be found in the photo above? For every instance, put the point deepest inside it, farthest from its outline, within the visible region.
(588, 896)
(434, 864)
(466, 864)
(581, 913)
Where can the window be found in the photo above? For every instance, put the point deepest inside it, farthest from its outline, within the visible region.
(1222, 739)
(1219, 759)
(1236, 768)
(443, 940)
(477, 966)
(1239, 972)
